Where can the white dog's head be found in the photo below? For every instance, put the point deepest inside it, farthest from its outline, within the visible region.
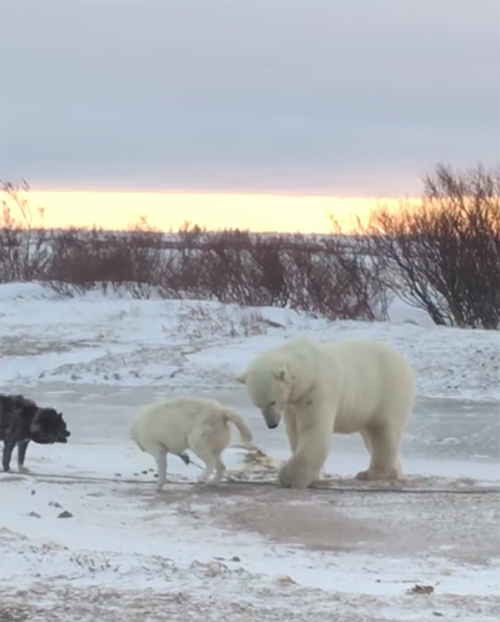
(268, 386)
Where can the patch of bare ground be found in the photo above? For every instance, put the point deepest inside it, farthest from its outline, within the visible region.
(354, 518)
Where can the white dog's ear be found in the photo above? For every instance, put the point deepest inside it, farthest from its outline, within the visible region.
(241, 378)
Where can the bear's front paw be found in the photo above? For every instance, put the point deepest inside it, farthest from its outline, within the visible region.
(292, 476)
(284, 477)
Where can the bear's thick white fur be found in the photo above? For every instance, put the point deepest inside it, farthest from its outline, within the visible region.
(199, 424)
(343, 387)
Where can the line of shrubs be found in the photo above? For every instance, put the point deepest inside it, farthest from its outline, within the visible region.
(442, 255)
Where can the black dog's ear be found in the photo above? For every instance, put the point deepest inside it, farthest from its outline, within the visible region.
(60, 415)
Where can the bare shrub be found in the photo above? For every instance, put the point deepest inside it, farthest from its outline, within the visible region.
(132, 261)
(444, 252)
(182, 273)
(327, 275)
(246, 268)
(336, 277)
(24, 251)
(147, 261)
(269, 271)
(330, 276)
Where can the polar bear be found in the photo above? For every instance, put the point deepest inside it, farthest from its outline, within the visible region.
(343, 387)
(181, 423)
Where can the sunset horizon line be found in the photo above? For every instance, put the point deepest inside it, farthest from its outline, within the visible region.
(169, 211)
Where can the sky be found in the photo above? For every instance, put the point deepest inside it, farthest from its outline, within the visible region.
(309, 98)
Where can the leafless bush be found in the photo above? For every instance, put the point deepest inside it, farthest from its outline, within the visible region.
(337, 278)
(444, 253)
(246, 269)
(328, 276)
(24, 253)
(183, 273)
(82, 260)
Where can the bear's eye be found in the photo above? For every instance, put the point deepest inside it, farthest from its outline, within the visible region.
(272, 403)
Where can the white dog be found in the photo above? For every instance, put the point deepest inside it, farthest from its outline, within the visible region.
(184, 423)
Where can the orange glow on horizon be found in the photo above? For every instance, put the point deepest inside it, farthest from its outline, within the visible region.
(119, 210)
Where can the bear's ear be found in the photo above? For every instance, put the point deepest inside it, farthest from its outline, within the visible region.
(241, 378)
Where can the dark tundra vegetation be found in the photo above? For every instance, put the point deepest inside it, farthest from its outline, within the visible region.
(441, 254)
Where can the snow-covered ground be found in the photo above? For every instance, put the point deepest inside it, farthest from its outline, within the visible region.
(246, 549)
(186, 344)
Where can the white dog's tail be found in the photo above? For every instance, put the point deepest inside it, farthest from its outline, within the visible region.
(245, 434)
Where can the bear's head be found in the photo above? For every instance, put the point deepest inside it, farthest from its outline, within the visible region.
(269, 388)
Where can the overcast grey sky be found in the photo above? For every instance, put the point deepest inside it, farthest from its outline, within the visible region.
(338, 97)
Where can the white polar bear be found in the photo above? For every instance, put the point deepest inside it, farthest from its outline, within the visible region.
(344, 387)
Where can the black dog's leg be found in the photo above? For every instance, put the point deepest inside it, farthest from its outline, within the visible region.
(21, 454)
(8, 448)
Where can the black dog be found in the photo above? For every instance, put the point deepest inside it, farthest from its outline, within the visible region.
(22, 421)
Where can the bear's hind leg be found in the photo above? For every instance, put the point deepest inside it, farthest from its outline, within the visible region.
(382, 441)
(366, 440)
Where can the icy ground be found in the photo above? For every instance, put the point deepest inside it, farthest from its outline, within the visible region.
(245, 550)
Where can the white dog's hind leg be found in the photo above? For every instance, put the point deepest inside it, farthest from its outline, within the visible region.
(159, 453)
(207, 444)
(210, 465)
(220, 469)
(161, 463)
(207, 456)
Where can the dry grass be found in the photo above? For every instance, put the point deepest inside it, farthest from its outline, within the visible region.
(25, 346)
(284, 602)
(205, 323)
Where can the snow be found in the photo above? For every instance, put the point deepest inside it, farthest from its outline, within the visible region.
(184, 344)
(245, 550)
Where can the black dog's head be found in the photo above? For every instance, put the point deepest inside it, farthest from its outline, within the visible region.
(48, 426)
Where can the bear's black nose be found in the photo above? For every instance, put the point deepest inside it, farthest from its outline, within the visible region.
(271, 426)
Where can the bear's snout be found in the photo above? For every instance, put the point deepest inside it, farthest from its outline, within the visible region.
(271, 418)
